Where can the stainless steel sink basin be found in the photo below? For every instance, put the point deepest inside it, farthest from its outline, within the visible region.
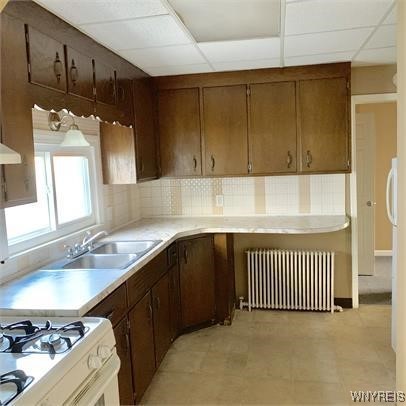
(126, 247)
(118, 261)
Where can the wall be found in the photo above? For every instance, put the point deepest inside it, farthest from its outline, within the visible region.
(373, 79)
(385, 119)
(276, 195)
(120, 204)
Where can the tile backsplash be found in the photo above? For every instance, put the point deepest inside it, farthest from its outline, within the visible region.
(276, 195)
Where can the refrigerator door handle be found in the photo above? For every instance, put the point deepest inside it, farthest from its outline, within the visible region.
(388, 202)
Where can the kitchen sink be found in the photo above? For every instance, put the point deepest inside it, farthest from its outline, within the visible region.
(89, 261)
(126, 247)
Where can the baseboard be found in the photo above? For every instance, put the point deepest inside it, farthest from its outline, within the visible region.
(344, 302)
(383, 253)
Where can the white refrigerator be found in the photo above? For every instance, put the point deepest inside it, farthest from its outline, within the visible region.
(392, 210)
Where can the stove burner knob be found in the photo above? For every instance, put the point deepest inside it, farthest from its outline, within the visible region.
(103, 351)
(94, 362)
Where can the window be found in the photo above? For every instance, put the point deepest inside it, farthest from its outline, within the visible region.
(65, 198)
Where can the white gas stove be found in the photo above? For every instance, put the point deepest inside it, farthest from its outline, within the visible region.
(58, 361)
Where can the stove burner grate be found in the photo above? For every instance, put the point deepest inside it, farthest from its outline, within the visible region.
(17, 378)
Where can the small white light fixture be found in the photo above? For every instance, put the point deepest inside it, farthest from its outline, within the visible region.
(73, 137)
(8, 155)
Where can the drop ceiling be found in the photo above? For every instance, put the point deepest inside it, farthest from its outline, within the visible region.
(170, 37)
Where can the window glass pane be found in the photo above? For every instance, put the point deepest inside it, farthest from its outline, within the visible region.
(71, 174)
(31, 219)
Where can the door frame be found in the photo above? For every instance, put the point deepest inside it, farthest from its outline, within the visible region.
(359, 99)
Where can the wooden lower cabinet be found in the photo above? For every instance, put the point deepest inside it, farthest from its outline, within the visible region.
(142, 345)
(174, 301)
(125, 382)
(197, 281)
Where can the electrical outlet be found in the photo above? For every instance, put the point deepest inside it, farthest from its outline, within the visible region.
(219, 200)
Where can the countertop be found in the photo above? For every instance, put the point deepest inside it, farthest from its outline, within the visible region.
(75, 292)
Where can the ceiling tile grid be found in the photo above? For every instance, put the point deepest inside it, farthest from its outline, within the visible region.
(170, 37)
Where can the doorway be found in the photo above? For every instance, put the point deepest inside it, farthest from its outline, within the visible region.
(374, 146)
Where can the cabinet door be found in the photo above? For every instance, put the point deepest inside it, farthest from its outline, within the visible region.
(17, 180)
(324, 125)
(124, 100)
(80, 74)
(162, 318)
(125, 383)
(118, 154)
(105, 84)
(142, 345)
(46, 61)
(197, 281)
(144, 109)
(272, 134)
(179, 132)
(225, 130)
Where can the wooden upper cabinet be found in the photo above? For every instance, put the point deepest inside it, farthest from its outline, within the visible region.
(80, 74)
(124, 100)
(105, 83)
(46, 60)
(225, 130)
(118, 154)
(272, 133)
(145, 135)
(179, 132)
(324, 125)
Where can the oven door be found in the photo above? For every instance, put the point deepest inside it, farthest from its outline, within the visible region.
(101, 389)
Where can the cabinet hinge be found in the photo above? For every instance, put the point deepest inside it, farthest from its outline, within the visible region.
(348, 84)
(128, 325)
(348, 164)
(248, 91)
(249, 167)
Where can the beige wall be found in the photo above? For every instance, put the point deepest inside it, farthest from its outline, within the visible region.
(385, 138)
(373, 79)
(339, 242)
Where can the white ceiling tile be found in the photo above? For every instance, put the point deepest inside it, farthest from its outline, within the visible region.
(179, 70)
(225, 20)
(378, 56)
(227, 51)
(392, 17)
(326, 42)
(164, 56)
(241, 65)
(89, 11)
(385, 36)
(329, 15)
(139, 33)
(315, 59)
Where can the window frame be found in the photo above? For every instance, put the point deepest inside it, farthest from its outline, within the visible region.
(48, 142)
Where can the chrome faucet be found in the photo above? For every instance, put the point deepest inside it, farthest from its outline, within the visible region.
(89, 239)
(87, 244)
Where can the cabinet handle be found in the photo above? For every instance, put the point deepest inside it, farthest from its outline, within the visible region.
(150, 312)
(213, 163)
(309, 159)
(113, 88)
(127, 342)
(185, 255)
(57, 67)
(194, 163)
(157, 302)
(289, 159)
(73, 72)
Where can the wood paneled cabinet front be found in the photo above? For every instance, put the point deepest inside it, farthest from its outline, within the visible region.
(80, 74)
(142, 344)
(272, 131)
(225, 130)
(46, 60)
(145, 129)
(324, 125)
(105, 83)
(179, 132)
(197, 281)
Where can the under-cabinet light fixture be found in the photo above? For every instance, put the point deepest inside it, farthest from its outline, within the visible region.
(73, 137)
(8, 155)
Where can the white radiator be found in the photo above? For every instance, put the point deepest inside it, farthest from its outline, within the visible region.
(290, 280)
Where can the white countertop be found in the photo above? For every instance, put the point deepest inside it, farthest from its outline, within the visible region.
(75, 292)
